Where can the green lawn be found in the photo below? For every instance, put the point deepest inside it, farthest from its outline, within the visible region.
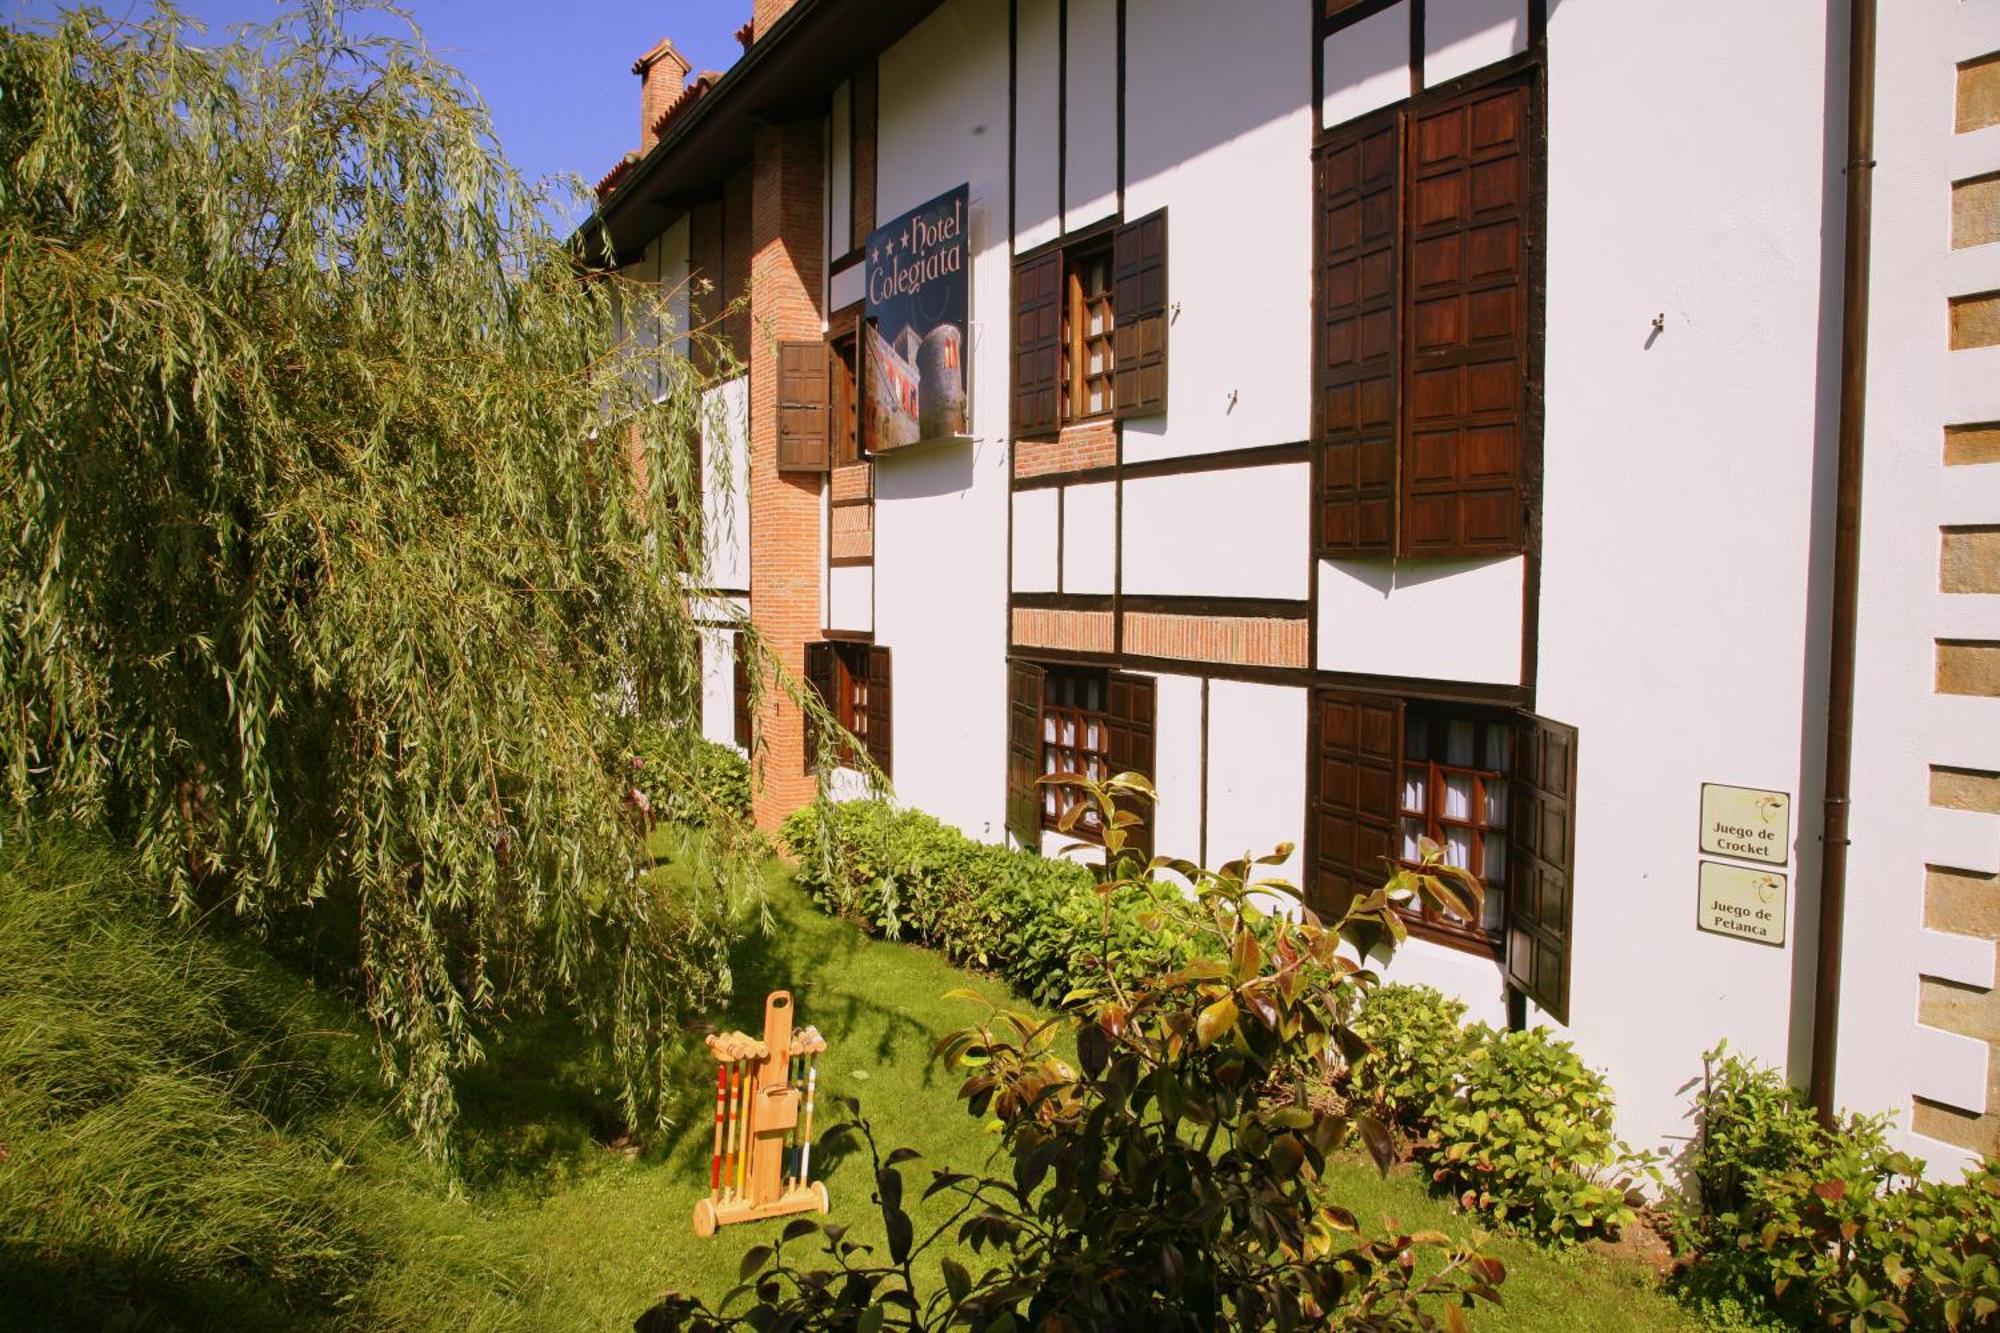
(611, 1240)
(148, 1186)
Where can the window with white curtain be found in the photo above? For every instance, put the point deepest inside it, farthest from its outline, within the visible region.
(1455, 792)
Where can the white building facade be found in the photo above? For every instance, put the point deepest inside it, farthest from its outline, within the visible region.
(1409, 419)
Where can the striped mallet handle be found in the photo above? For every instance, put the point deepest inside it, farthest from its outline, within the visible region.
(806, 1131)
(792, 1134)
(721, 1104)
(743, 1130)
(734, 1149)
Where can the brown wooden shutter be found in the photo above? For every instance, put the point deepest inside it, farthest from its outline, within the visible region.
(1360, 749)
(1130, 748)
(1024, 753)
(1038, 288)
(1541, 862)
(1139, 317)
(740, 688)
(1465, 343)
(823, 675)
(804, 428)
(879, 713)
(1356, 335)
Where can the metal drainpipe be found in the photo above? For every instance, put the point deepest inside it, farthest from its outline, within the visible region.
(1846, 553)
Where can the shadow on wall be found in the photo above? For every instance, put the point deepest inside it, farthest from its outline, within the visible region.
(928, 470)
(1385, 576)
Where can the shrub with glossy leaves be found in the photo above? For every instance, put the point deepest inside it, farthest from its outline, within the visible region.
(1512, 1124)
(1831, 1227)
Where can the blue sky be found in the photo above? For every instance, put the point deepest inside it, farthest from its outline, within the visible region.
(558, 76)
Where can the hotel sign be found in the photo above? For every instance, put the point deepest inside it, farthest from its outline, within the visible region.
(913, 353)
(1746, 822)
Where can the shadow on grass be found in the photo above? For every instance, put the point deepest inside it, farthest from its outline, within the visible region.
(95, 1288)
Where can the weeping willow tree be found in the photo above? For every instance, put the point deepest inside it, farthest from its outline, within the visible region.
(345, 538)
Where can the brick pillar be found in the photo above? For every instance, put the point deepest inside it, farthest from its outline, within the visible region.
(786, 260)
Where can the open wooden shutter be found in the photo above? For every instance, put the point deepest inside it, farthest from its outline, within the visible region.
(1038, 289)
(879, 734)
(1139, 316)
(1129, 704)
(740, 688)
(1024, 753)
(1465, 344)
(804, 429)
(1541, 866)
(823, 675)
(1360, 749)
(1356, 339)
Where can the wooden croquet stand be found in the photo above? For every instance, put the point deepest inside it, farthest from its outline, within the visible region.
(771, 1111)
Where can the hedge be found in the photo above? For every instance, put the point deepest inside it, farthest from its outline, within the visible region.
(1512, 1124)
(1037, 922)
(1830, 1227)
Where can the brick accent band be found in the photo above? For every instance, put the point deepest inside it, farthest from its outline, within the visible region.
(1244, 640)
(1083, 631)
(1085, 445)
(853, 532)
(852, 481)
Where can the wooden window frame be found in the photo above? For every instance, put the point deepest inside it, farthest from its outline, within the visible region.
(1126, 723)
(1365, 508)
(844, 393)
(1049, 378)
(1357, 742)
(1078, 342)
(853, 679)
(744, 722)
(1096, 760)
(1436, 718)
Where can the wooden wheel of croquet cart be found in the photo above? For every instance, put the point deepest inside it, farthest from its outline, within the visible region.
(762, 1163)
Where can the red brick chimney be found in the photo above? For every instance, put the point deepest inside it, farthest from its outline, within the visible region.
(766, 12)
(662, 71)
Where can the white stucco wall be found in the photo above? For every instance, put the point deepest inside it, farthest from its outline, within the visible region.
(1454, 620)
(1256, 773)
(725, 464)
(718, 672)
(1233, 169)
(1176, 820)
(1469, 34)
(671, 256)
(1090, 169)
(1035, 539)
(850, 597)
(1679, 505)
(941, 512)
(1037, 123)
(1090, 538)
(1367, 65)
(1244, 532)
(846, 287)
